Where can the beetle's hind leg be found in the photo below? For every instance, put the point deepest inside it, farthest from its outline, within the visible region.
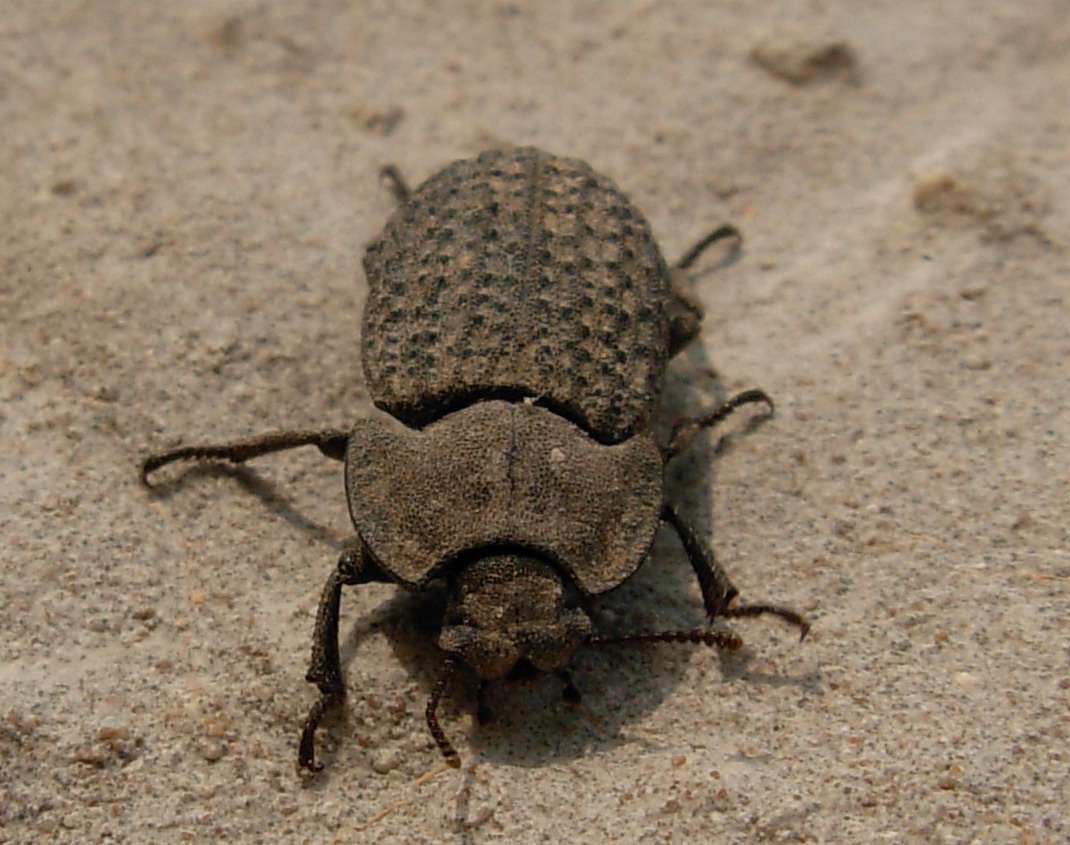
(325, 667)
(399, 186)
(717, 590)
(685, 314)
(331, 442)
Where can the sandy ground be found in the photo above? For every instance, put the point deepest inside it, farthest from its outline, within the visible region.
(187, 188)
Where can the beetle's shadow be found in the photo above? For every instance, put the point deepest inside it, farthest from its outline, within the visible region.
(251, 481)
(532, 723)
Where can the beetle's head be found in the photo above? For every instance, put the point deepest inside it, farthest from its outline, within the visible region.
(510, 613)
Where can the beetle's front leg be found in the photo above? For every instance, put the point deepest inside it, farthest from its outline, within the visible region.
(717, 590)
(355, 566)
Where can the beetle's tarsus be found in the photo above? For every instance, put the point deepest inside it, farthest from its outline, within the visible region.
(306, 754)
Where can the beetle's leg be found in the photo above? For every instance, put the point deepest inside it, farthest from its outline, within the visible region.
(331, 442)
(718, 234)
(717, 589)
(685, 314)
(453, 759)
(325, 668)
(569, 692)
(398, 186)
(684, 430)
(484, 715)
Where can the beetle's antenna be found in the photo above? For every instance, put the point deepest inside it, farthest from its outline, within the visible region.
(726, 640)
(453, 759)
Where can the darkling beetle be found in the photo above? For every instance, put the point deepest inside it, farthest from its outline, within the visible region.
(519, 321)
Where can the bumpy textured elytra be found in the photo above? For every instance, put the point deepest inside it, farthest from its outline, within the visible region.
(516, 332)
(518, 274)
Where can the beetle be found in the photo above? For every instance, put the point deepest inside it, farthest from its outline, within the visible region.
(519, 321)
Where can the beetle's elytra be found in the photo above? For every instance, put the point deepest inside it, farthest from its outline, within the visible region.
(518, 274)
(519, 320)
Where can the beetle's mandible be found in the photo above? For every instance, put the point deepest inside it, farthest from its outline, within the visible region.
(519, 320)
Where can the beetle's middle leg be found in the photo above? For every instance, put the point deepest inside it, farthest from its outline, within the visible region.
(717, 590)
(685, 429)
(325, 667)
(331, 443)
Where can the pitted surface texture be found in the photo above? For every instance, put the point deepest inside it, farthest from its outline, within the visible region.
(503, 474)
(518, 273)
